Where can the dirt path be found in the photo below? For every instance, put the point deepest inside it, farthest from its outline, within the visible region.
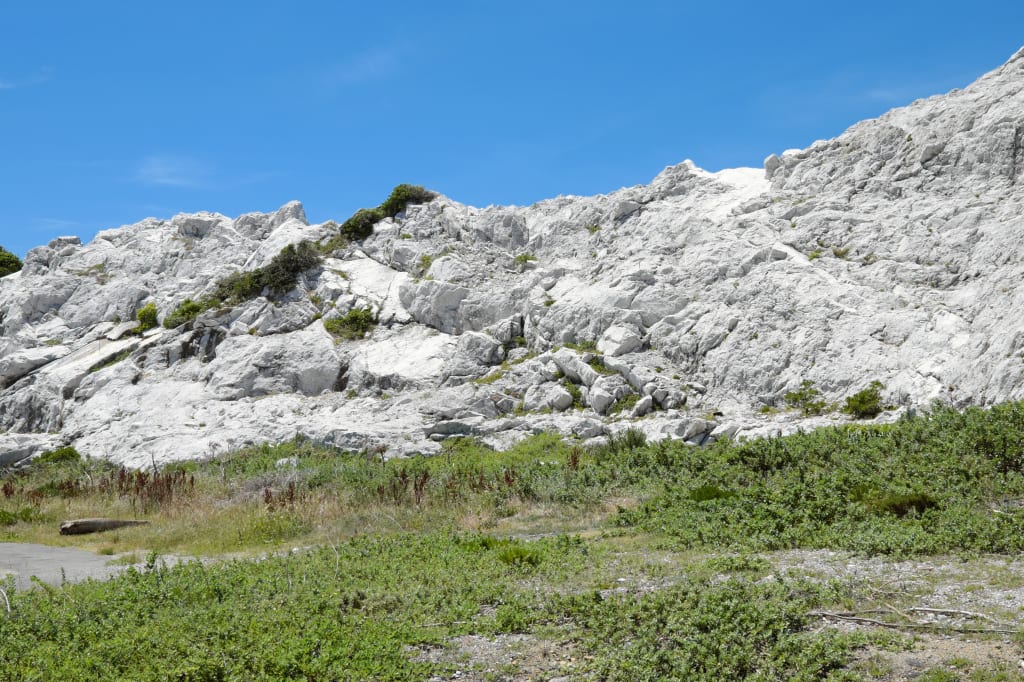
(52, 564)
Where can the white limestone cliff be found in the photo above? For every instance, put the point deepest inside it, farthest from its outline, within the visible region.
(892, 253)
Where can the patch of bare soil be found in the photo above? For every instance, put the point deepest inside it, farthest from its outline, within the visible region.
(964, 615)
(504, 658)
(954, 655)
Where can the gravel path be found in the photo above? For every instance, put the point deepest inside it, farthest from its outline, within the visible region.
(24, 560)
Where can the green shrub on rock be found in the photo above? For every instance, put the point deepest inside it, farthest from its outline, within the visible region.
(352, 326)
(865, 404)
(186, 311)
(403, 195)
(279, 276)
(59, 456)
(146, 317)
(806, 398)
(360, 225)
(9, 263)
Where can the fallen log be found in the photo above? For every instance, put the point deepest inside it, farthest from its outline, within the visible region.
(83, 526)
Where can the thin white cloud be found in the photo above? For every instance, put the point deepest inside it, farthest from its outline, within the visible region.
(173, 171)
(41, 76)
(373, 65)
(51, 224)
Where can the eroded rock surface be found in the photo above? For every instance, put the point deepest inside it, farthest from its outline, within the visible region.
(684, 308)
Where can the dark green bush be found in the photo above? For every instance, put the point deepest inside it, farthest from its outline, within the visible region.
(806, 398)
(146, 317)
(278, 276)
(9, 263)
(923, 485)
(9, 518)
(59, 456)
(903, 504)
(360, 225)
(352, 326)
(187, 311)
(237, 287)
(867, 403)
(706, 493)
(403, 195)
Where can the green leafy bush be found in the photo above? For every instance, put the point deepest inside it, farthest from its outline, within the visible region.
(360, 225)
(62, 455)
(913, 487)
(278, 276)
(867, 403)
(353, 325)
(403, 195)
(146, 317)
(9, 263)
(806, 398)
(187, 311)
(9, 518)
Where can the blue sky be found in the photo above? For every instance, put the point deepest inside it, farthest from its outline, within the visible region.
(114, 111)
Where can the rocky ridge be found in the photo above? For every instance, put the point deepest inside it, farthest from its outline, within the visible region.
(686, 308)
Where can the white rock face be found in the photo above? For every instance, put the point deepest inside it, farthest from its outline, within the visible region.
(894, 252)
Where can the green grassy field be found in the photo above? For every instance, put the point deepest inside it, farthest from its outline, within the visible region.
(625, 562)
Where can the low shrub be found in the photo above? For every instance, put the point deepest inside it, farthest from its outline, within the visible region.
(360, 225)
(146, 317)
(867, 403)
(187, 311)
(62, 455)
(902, 504)
(625, 404)
(9, 263)
(806, 398)
(522, 259)
(352, 326)
(25, 514)
(403, 195)
(278, 276)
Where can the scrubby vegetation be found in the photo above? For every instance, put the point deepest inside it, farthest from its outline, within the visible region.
(9, 263)
(867, 403)
(360, 225)
(807, 399)
(277, 277)
(146, 317)
(921, 486)
(353, 325)
(642, 568)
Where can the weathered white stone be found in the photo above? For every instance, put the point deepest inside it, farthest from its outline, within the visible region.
(600, 398)
(890, 253)
(642, 407)
(619, 340)
(247, 366)
(15, 365)
(573, 366)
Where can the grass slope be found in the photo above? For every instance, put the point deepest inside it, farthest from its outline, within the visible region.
(626, 554)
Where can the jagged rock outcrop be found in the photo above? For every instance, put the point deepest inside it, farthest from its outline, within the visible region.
(686, 307)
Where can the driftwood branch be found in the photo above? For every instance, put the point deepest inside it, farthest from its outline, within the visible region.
(83, 526)
(854, 618)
